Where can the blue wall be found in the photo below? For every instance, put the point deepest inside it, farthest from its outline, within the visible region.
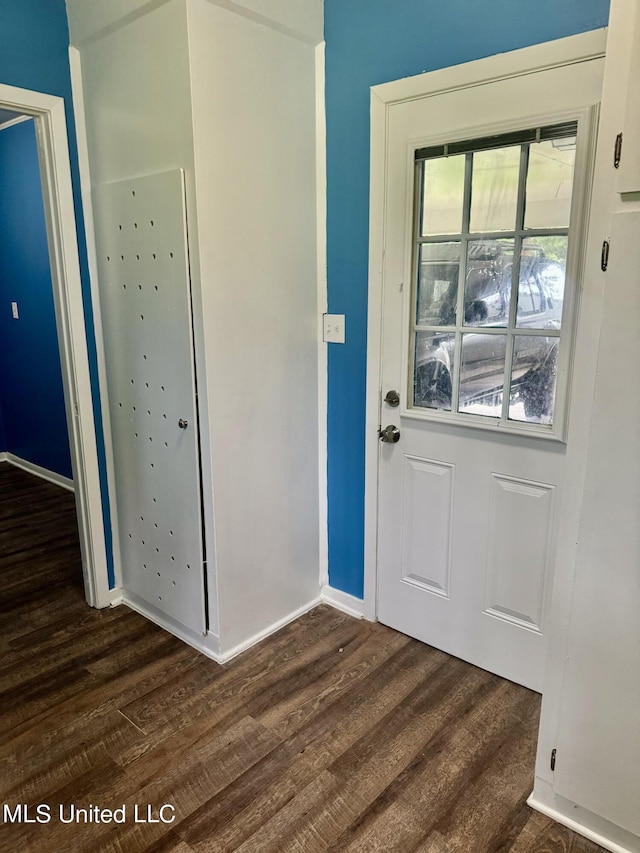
(370, 42)
(31, 394)
(3, 438)
(34, 54)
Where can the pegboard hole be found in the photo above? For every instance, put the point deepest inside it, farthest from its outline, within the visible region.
(152, 465)
(137, 257)
(130, 536)
(119, 227)
(155, 286)
(124, 286)
(133, 408)
(132, 381)
(153, 255)
(136, 434)
(155, 525)
(139, 287)
(166, 444)
(133, 192)
(173, 559)
(170, 254)
(120, 404)
(142, 316)
(164, 417)
(141, 518)
(146, 384)
(155, 500)
(173, 583)
(157, 550)
(159, 598)
(108, 258)
(188, 566)
(171, 533)
(135, 224)
(158, 573)
(144, 356)
(122, 257)
(162, 387)
(142, 540)
(148, 412)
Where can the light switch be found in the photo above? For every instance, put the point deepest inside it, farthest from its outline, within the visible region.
(14, 310)
(333, 328)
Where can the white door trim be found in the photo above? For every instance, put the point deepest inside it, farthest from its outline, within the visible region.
(53, 152)
(567, 51)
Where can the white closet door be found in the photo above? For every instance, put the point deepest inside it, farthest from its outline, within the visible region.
(146, 311)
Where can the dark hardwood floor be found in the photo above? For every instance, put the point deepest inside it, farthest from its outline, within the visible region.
(333, 735)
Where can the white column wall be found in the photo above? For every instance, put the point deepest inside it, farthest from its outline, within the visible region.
(591, 694)
(253, 89)
(226, 93)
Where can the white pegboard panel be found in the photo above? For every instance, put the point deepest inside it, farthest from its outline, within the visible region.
(146, 310)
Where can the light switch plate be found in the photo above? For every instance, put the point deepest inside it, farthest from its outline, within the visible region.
(14, 310)
(333, 328)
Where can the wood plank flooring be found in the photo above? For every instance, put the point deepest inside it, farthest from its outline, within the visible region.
(333, 735)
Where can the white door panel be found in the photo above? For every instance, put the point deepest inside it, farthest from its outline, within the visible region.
(146, 311)
(466, 517)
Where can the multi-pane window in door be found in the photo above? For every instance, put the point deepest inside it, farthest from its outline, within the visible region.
(491, 239)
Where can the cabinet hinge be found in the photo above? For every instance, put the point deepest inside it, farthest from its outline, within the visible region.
(604, 257)
(553, 759)
(617, 151)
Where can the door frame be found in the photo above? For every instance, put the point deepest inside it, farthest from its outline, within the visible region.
(48, 112)
(555, 54)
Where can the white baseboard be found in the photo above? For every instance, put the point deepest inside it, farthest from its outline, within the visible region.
(223, 657)
(209, 645)
(43, 473)
(585, 823)
(343, 601)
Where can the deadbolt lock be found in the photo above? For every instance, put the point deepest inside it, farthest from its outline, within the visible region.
(392, 399)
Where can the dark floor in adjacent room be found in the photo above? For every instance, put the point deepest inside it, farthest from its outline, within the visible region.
(333, 735)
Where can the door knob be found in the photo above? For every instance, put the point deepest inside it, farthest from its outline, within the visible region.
(390, 433)
(392, 399)
(183, 424)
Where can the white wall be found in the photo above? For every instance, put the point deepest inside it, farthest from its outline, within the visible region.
(592, 692)
(254, 129)
(303, 18)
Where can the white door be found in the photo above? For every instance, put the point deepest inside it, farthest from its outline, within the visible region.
(146, 311)
(479, 287)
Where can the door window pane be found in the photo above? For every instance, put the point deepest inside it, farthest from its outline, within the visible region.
(487, 293)
(494, 189)
(542, 273)
(550, 183)
(442, 195)
(438, 271)
(493, 223)
(482, 374)
(434, 362)
(533, 379)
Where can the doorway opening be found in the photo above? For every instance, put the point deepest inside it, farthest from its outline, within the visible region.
(48, 115)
